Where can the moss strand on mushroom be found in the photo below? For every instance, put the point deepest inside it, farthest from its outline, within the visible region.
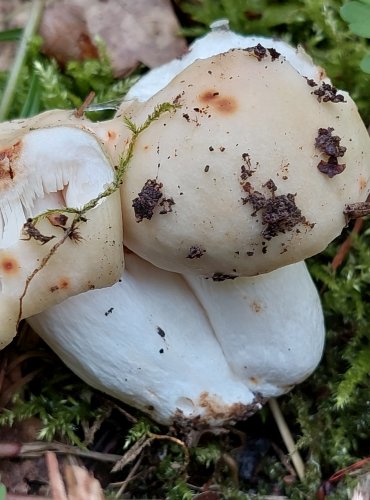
(119, 171)
(71, 232)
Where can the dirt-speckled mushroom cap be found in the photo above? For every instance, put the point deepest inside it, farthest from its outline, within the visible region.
(178, 347)
(54, 168)
(251, 173)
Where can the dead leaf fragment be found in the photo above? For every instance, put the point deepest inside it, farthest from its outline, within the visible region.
(143, 31)
(81, 485)
(65, 33)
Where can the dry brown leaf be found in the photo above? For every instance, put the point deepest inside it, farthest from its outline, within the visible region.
(140, 30)
(137, 31)
(79, 483)
(65, 34)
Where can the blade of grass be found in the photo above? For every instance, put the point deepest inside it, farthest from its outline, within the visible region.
(32, 104)
(10, 35)
(287, 438)
(11, 85)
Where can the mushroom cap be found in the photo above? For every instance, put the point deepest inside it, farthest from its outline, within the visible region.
(52, 168)
(234, 174)
(160, 342)
(219, 40)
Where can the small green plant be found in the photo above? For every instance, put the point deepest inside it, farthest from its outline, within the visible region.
(357, 15)
(207, 455)
(59, 411)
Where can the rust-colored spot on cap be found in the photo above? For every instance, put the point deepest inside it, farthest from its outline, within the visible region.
(8, 158)
(111, 135)
(9, 265)
(362, 183)
(256, 307)
(64, 283)
(221, 103)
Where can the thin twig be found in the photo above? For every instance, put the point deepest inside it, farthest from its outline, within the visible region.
(287, 438)
(35, 449)
(9, 392)
(130, 477)
(37, 8)
(80, 213)
(81, 110)
(346, 245)
(43, 263)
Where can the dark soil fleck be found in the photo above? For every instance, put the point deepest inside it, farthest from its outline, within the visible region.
(161, 332)
(110, 310)
(327, 92)
(279, 213)
(331, 167)
(223, 277)
(274, 54)
(311, 82)
(195, 252)
(356, 210)
(166, 204)
(147, 200)
(246, 172)
(258, 51)
(329, 145)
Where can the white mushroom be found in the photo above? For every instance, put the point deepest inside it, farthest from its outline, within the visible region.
(54, 168)
(230, 185)
(256, 168)
(148, 341)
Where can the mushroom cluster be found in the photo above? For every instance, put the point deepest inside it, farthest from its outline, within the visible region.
(238, 161)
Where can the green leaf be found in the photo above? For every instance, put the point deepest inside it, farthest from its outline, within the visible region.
(10, 36)
(357, 14)
(365, 64)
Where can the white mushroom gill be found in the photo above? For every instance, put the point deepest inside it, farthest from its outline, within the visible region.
(149, 342)
(54, 168)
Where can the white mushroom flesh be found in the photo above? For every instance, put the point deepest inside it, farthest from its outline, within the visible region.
(270, 327)
(150, 342)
